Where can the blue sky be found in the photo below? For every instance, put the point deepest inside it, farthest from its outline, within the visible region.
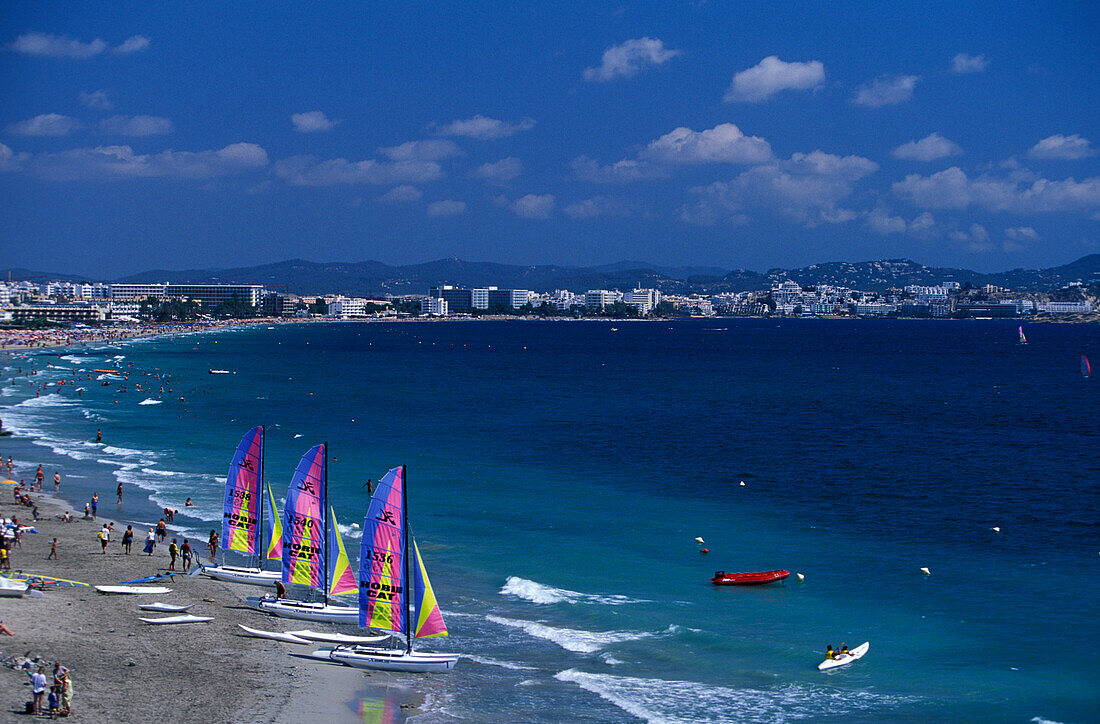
(733, 134)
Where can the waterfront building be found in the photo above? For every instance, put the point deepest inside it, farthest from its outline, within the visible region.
(600, 298)
(479, 297)
(458, 299)
(345, 308)
(59, 312)
(1064, 307)
(434, 307)
(644, 300)
(208, 295)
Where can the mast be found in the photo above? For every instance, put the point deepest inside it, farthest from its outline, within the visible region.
(260, 552)
(408, 590)
(324, 512)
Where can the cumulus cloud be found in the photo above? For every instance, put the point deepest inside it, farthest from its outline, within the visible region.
(136, 126)
(963, 63)
(9, 160)
(56, 46)
(534, 206)
(401, 195)
(725, 143)
(975, 239)
(309, 171)
(446, 208)
(499, 172)
(597, 206)
(1067, 148)
(1022, 233)
(99, 100)
(880, 221)
(626, 59)
(47, 124)
(886, 90)
(929, 148)
(312, 122)
(120, 162)
(953, 189)
(808, 189)
(588, 169)
(772, 75)
(132, 44)
(484, 128)
(432, 150)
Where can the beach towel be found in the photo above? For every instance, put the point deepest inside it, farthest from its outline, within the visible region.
(149, 546)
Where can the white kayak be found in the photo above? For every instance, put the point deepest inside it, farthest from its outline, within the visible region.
(133, 589)
(186, 618)
(845, 659)
(288, 637)
(164, 607)
(336, 638)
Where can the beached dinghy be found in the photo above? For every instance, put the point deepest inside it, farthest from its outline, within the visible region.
(313, 551)
(287, 638)
(185, 618)
(757, 578)
(164, 607)
(387, 554)
(12, 589)
(845, 659)
(132, 589)
(243, 516)
(337, 638)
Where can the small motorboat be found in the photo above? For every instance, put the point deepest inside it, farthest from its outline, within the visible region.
(721, 578)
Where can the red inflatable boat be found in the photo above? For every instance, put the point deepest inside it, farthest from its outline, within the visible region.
(721, 578)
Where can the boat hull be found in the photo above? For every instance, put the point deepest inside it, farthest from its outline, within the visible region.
(756, 578)
(844, 659)
(249, 576)
(394, 660)
(304, 611)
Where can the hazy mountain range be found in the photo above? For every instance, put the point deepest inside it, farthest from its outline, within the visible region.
(369, 278)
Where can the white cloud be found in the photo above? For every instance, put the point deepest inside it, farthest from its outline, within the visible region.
(1022, 233)
(533, 206)
(626, 59)
(808, 188)
(54, 46)
(772, 75)
(401, 195)
(597, 206)
(484, 128)
(98, 100)
(47, 124)
(312, 122)
(588, 169)
(963, 63)
(886, 90)
(9, 160)
(120, 162)
(882, 222)
(132, 44)
(308, 171)
(432, 150)
(499, 172)
(976, 239)
(1068, 148)
(953, 189)
(929, 148)
(725, 143)
(446, 208)
(136, 126)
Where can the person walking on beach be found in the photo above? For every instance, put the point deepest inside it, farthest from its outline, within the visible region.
(53, 551)
(5, 561)
(104, 536)
(95, 504)
(128, 539)
(150, 542)
(120, 493)
(162, 531)
(173, 550)
(56, 482)
(38, 476)
(185, 551)
(213, 543)
(38, 688)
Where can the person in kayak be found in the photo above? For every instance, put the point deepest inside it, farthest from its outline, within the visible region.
(829, 653)
(844, 649)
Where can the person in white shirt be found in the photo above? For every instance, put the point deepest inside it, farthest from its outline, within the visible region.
(38, 688)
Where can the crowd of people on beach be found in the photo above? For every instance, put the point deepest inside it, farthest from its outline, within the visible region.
(59, 701)
(36, 338)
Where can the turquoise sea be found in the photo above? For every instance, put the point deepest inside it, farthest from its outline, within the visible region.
(559, 472)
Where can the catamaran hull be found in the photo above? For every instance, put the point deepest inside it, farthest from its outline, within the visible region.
(311, 611)
(395, 660)
(250, 576)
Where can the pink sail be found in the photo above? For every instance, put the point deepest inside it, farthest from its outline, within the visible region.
(382, 585)
(240, 523)
(304, 522)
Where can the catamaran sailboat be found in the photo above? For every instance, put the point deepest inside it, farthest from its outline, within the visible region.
(384, 600)
(313, 551)
(243, 516)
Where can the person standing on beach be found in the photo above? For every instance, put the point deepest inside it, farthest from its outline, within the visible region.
(53, 551)
(162, 531)
(213, 543)
(5, 561)
(185, 551)
(56, 482)
(173, 550)
(95, 504)
(38, 475)
(128, 539)
(120, 493)
(150, 542)
(38, 688)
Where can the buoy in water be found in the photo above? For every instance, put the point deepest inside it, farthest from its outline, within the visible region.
(925, 571)
(997, 528)
(704, 550)
(800, 577)
(699, 540)
(742, 483)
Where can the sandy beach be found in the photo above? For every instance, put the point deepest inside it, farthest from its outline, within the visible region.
(125, 670)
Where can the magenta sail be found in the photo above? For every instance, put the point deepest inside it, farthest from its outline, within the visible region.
(304, 522)
(240, 514)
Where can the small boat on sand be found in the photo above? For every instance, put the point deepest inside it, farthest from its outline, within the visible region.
(721, 578)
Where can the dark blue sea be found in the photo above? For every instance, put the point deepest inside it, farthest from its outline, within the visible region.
(559, 473)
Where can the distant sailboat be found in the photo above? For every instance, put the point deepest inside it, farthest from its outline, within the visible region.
(1086, 368)
(1023, 339)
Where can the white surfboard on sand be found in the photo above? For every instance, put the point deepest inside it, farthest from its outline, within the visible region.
(186, 618)
(132, 589)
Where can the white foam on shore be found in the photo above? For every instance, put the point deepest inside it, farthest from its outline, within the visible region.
(150, 401)
(77, 358)
(690, 702)
(494, 662)
(542, 594)
(581, 642)
(350, 531)
(51, 400)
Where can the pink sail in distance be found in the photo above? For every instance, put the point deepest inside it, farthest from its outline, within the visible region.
(240, 523)
(1086, 368)
(304, 522)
